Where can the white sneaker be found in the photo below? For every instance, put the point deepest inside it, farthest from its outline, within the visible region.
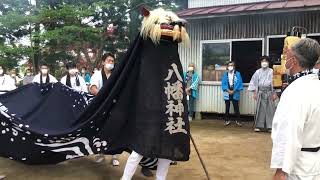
(2, 177)
(226, 123)
(100, 159)
(115, 162)
(257, 130)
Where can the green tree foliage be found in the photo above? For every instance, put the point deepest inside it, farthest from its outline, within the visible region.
(71, 30)
(14, 23)
(67, 33)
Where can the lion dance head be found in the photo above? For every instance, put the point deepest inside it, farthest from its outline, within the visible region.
(160, 22)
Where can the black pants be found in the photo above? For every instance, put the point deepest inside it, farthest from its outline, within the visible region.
(235, 107)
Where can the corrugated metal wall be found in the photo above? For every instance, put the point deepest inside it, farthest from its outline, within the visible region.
(208, 3)
(253, 26)
(211, 100)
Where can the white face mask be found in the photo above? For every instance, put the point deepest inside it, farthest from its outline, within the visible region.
(264, 64)
(13, 75)
(83, 71)
(287, 72)
(109, 66)
(288, 68)
(28, 74)
(191, 68)
(73, 71)
(230, 68)
(44, 71)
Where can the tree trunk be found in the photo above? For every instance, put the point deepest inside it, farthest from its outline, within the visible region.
(36, 47)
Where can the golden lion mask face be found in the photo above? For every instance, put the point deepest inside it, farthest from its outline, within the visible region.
(160, 22)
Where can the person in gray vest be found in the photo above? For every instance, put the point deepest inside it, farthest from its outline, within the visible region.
(263, 93)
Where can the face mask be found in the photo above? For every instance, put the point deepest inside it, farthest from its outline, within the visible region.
(109, 66)
(190, 68)
(287, 72)
(230, 68)
(264, 64)
(73, 71)
(28, 74)
(288, 67)
(44, 71)
(13, 75)
(83, 71)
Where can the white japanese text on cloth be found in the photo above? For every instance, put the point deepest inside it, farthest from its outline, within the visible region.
(174, 92)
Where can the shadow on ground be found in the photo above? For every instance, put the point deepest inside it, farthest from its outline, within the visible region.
(232, 153)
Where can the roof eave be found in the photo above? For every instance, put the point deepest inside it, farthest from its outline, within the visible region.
(259, 12)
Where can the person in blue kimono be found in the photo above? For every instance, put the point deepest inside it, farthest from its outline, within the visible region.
(232, 85)
(86, 75)
(192, 82)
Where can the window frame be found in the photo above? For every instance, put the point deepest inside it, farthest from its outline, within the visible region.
(230, 43)
(313, 34)
(282, 36)
(268, 41)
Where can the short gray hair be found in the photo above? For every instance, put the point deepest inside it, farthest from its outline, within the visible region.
(318, 62)
(307, 51)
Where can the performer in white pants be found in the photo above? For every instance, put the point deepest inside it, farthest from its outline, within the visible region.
(176, 124)
(133, 162)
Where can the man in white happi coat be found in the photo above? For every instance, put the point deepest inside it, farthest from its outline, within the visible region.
(6, 82)
(98, 80)
(296, 124)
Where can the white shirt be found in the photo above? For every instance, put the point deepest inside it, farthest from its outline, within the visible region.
(296, 125)
(262, 77)
(231, 76)
(82, 88)
(96, 80)
(16, 79)
(36, 79)
(6, 84)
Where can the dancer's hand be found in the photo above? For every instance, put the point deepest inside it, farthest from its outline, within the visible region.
(188, 91)
(255, 96)
(280, 175)
(94, 90)
(274, 97)
(284, 85)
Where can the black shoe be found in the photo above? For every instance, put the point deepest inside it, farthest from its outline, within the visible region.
(146, 172)
(173, 163)
(238, 123)
(226, 123)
